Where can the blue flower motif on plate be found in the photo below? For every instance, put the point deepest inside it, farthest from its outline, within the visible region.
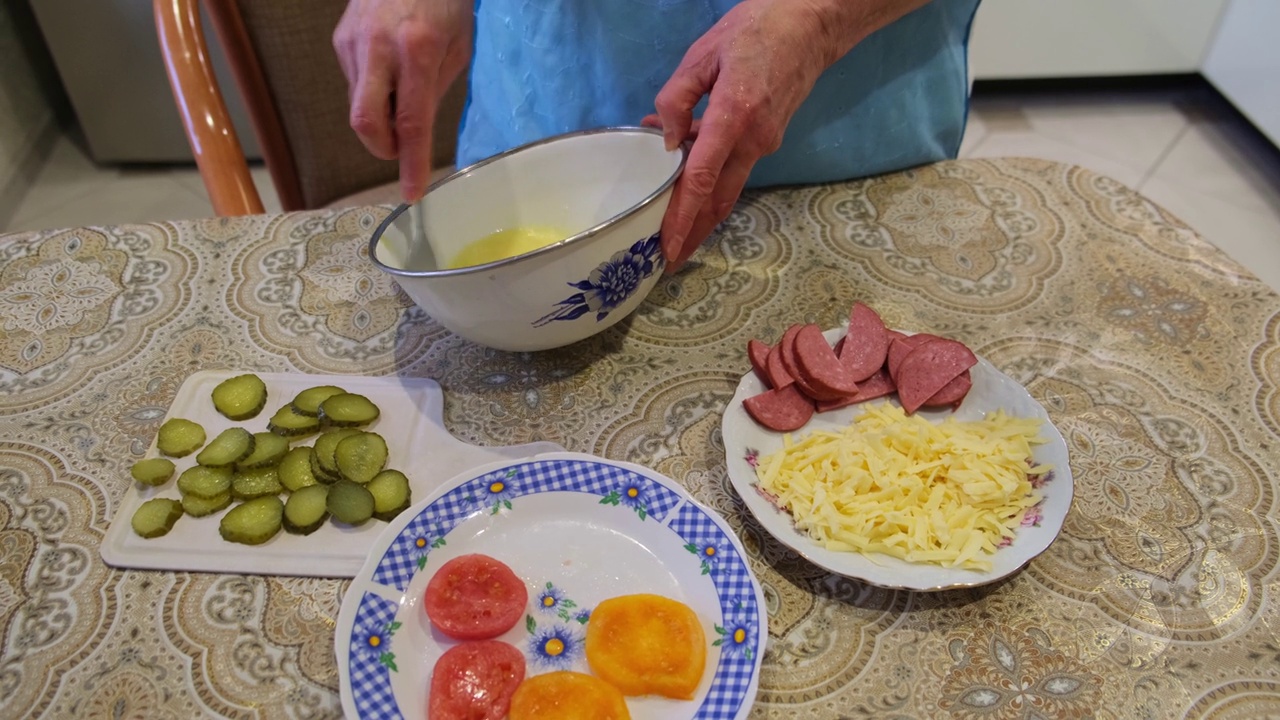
(375, 639)
(555, 646)
(610, 284)
(709, 553)
(632, 495)
(496, 494)
(553, 601)
(737, 635)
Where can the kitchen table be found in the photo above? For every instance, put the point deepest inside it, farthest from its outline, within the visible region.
(1156, 355)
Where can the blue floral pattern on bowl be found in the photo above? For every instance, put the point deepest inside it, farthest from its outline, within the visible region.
(610, 284)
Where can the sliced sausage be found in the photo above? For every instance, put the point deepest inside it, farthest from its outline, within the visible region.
(778, 375)
(899, 348)
(787, 347)
(878, 385)
(928, 368)
(783, 409)
(758, 352)
(819, 367)
(953, 393)
(866, 343)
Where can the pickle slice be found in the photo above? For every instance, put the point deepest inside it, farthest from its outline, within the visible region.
(323, 462)
(349, 502)
(196, 506)
(240, 397)
(288, 423)
(268, 449)
(156, 517)
(308, 401)
(204, 482)
(306, 510)
(391, 494)
(153, 472)
(295, 469)
(179, 437)
(348, 410)
(250, 484)
(360, 456)
(253, 522)
(228, 448)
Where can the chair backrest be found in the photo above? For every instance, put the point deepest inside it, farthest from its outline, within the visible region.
(282, 54)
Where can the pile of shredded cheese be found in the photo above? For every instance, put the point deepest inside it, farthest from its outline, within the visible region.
(945, 493)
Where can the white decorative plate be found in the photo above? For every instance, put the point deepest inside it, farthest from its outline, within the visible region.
(577, 529)
(745, 440)
(418, 444)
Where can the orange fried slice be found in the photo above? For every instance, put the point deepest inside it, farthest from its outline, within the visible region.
(567, 695)
(647, 645)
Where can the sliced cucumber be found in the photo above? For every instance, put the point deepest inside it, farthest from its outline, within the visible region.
(240, 397)
(196, 506)
(153, 472)
(156, 517)
(349, 502)
(250, 484)
(391, 494)
(308, 401)
(179, 437)
(288, 423)
(228, 448)
(348, 410)
(324, 464)
(268, 449)
(306, 510)
(252, 522)
(360, 456)
(295, 469)
(205, 482)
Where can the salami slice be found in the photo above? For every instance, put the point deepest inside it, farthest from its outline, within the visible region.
(778, 375)
(758, 353)
(787, 347)
(784, 409)
(819, 367)
(866, 343)
(899, 348)
(928, 368)
(878, 385)
(953, 393)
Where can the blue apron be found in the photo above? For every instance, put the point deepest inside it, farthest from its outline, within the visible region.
(544, 67)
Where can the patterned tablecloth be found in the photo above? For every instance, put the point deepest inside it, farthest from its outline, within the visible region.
(1156, 356)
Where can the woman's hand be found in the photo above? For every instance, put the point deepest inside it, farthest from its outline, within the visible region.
(758, 64)
(400, 57)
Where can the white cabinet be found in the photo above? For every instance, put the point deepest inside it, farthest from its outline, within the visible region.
(1014, 39)
(1244, 62)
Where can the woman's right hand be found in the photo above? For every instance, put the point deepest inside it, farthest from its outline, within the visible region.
(400, 57)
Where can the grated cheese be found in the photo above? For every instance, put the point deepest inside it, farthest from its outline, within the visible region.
(947, 493)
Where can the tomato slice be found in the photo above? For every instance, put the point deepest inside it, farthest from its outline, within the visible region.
(475, 681)
(475, 597)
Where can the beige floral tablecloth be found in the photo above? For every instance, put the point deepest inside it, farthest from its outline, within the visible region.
(1156, 356)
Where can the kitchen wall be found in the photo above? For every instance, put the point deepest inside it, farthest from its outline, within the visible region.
(31, 103)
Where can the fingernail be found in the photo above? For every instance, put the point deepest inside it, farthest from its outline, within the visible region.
(669, 138)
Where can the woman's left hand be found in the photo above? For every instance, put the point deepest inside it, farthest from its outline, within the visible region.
(758, 64)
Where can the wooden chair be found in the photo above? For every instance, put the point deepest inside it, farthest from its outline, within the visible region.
(282, 58)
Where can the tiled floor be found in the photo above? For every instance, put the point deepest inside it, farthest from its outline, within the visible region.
(1183, 148)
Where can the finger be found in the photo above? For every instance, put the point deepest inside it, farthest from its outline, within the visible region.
(652, 121)
(701, 175)
(733, 178)
(370, 108)
(677, 98)
(414, 121)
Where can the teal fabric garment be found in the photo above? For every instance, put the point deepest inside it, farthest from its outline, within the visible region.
(544, 67)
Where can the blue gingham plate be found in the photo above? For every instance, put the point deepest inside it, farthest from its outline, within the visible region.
(578, 529)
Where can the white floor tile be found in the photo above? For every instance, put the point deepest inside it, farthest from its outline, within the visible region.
(1250, 237)
(974, 131)
(1015, 143)
(1227, 161)
(1136, 135)
(124, 199)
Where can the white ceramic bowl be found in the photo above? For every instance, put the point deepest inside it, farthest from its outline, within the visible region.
(610, 186)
